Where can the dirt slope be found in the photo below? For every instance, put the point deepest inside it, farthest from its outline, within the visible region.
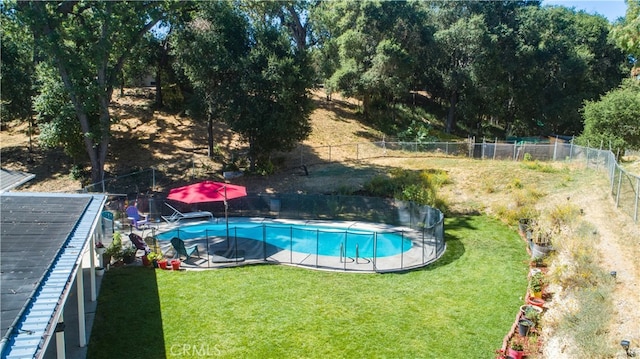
(143, 137)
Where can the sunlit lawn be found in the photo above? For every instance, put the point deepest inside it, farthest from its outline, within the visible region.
(460, 307)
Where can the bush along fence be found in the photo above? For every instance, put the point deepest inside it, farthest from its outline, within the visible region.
(624, 186)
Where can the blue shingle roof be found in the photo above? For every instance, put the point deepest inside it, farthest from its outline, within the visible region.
(42, 240)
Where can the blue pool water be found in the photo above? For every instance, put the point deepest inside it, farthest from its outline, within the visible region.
(303, 238)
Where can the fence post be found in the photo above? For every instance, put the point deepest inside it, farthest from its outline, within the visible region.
(555, 149)
(515, 149)
(495, 148)
(612, 175)
(587, 150)
(484, 144)
(571, 150)
(618, 192)
(635, 211)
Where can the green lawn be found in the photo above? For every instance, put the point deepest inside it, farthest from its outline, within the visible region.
(460, 307)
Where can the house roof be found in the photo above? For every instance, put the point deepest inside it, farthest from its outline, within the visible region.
(12, 179)
(42, 240)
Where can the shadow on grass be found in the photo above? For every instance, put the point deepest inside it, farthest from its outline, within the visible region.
(455, 248)
(128, 316)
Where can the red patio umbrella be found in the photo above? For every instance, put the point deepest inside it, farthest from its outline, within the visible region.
(208, 191)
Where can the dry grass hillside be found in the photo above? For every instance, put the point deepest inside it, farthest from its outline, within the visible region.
(143, 138)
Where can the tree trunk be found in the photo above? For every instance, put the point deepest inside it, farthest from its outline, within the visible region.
(158, 79)
(210, 134)
(451, 116)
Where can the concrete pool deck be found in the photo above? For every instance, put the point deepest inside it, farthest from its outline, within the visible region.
(217, 252)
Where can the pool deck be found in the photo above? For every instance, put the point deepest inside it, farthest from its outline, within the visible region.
(217, 252)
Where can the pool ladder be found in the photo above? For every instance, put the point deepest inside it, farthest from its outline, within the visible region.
(343, 256)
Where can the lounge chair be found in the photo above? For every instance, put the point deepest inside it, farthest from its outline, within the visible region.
(176, 216)
(137, 241)
(137, 220)
(182, 250)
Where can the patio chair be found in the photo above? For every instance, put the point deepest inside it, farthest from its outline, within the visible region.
(140, 244)
(176, 216)
(139, 221)
(182, 250)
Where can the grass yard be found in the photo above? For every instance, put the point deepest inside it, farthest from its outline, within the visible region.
(460, 307)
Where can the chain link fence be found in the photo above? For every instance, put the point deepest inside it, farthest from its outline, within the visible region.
(624, 186)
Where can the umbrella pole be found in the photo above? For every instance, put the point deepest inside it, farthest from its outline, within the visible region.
(226, 214)
(226, 217)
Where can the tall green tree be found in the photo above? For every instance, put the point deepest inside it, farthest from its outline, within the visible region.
(210, 49)
(565, 59)
(248, 73)
(461, 38)
(627, 33)
(17, 70)
(371, 48)
(273, 112)
(614, 120)
(88, 43)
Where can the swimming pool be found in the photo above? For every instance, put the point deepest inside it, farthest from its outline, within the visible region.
(326, 239)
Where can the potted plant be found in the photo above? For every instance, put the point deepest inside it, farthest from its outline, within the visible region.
(153, 258)
(536, 283)
(540, 240)
(100, 248)
(100, 271)
(129, 254)
(516, 350)
(532, 313)
(524, 326)
(162, 263)
(114, 250)
(175, 264)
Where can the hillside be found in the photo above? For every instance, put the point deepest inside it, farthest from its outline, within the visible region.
(143, 138)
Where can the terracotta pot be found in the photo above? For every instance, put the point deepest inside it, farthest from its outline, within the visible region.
(535, 301)
(175, 264)
(163, 264)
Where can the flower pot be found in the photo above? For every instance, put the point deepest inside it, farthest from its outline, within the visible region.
(106, 260)
(162, 264)
(523, 225)
(100, 250)
(540, 251)
(100, 271)
(524, 326)
(128, 259)
(523, 309)
(175, 264)
(535, 301)
(515, 354)
(145, 261)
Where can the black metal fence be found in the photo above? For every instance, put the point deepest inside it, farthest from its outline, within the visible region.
(624, 186)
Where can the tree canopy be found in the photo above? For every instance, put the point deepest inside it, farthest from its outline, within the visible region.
(484, 68)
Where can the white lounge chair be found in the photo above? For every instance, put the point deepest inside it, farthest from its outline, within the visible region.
(177, 216)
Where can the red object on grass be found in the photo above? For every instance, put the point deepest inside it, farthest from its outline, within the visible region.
(175, 264)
